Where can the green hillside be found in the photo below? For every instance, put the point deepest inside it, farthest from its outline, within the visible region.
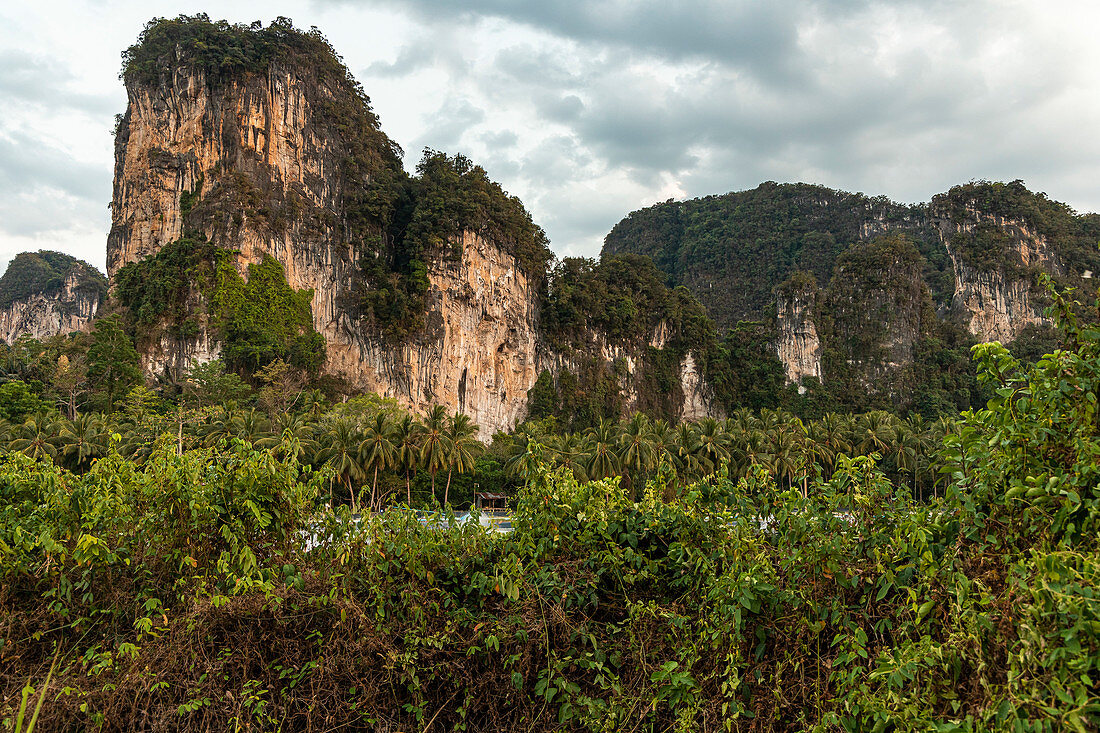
(44, 272)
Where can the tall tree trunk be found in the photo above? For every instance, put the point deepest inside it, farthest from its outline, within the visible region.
(447, 491)
(408, 488)
(347, 482)
(433, 485)
(374, 488)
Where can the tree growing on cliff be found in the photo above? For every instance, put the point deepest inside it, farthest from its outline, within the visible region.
(113, 363)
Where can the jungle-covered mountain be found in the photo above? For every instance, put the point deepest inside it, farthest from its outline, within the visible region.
(733, 250)
(261, 214)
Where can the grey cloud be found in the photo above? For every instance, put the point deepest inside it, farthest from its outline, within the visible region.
(28, 162)
(449, 123)
(28, 78)
(501, 139)
(761, 37)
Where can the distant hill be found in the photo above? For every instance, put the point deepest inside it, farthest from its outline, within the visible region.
(732, 250)
(44, 273)
(46, 293)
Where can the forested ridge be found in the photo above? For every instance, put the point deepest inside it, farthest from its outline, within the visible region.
(44, 273)
(733, 249)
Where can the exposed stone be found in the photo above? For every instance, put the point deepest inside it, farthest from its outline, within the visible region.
(42, 315)
(480, 352)
(797, 344)
(996, 305)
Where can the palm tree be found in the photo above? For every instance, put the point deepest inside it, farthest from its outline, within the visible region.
(829, 438)
(406, 449)
(636, 452)
(874, 432)
(689, 458)
(465, 448)
(378, 451)
(524, 457)
(37, 437)
(343, 454)
(571, 450)
(663, 438)
(219, 427)
(742, 422)
(435, 445)
(250, 425)
(906, 452)
(82, 439)
(784, 454)
(604, 461)
(712, 441)
(290, 428)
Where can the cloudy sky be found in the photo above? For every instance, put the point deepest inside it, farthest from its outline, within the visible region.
(588, 109)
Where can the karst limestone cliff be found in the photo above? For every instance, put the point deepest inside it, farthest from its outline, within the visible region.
(44, 294)
(997, 299)
(186, 139)
(798, 345)
(281, 160)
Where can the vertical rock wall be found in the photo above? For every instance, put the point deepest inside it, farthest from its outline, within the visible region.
(996, 303)
(797, 344)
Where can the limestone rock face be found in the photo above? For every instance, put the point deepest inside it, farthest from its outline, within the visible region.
(697, 403)
(252, 152)
(45, 294)
(478, 354)
(797, 344)
(257, 163)
(996, 303)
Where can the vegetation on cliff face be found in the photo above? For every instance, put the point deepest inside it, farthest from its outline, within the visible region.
(795, 586)
(44, 273)
(396, 224)
(885, 271)
(1072, 237)
(191, 284)
(448, 197)
(619, 302)
(732, 250)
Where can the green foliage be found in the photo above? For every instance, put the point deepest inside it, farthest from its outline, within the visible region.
(764, 592)
(744, 370)
(17, 401)
(113, 363)
(158, 288)
(209, 383)
(263, 318)
(990, 246)
(622, 298)
(191, 282)
(732, 250)
(449, 197)
(452, 195)
(44, 272)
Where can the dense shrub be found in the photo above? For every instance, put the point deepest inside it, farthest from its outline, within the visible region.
(204, 590)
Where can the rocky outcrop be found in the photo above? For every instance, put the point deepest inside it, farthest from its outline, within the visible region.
(797, 343)
(995, 298)
(186, 142)
(479, 351)
(266, 164)
(46, 293)
(698, 402)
